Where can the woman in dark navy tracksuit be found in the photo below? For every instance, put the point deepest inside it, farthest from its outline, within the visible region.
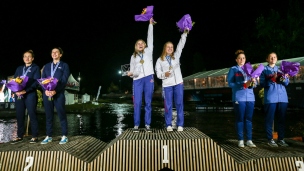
(29, 97)
(60, 70)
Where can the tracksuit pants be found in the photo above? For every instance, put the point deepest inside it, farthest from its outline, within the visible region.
(271, 109)
(144, 85)
(59, 103)
(243, 118)
(29, 102)
(176, 92)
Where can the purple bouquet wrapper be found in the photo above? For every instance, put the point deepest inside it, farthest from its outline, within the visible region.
(290, 68)
(184, 23)
(15, 87)
(248, 69)
(50, 86)
(147, 16)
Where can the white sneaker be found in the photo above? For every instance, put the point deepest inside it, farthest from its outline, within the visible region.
(169, 128)
(46, 140)
(241, 143)
(64, 140)
(249, 143)
(180, 128)
(135, 129)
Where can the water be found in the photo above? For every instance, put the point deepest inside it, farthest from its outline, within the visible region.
(112, 120)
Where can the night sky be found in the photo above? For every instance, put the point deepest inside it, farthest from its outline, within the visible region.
(98, 37)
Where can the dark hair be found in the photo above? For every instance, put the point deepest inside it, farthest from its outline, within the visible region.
(60, 50)
(271, 53)
(239, 52)
(31, 52)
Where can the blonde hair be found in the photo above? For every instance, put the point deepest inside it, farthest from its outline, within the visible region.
(164, 53)
(137, 52)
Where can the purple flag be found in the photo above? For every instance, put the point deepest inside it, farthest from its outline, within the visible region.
(253, 73)
(185, 23)
(146, 15)
(48, 84)
(290, 68)
(17, 84)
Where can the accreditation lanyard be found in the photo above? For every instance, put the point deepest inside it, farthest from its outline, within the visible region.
(53, 70)
(169, 61)
(26, 71)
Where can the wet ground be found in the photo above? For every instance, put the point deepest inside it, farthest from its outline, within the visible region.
(109, 122)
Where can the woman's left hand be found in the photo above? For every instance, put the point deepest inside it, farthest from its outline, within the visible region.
(19, 93)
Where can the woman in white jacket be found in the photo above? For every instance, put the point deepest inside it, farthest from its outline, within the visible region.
(168, 70)
(141, 70)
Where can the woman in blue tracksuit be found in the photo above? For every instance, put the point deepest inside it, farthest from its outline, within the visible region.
(60, 70)
(275, 99)
(168, 70)
(243, 99)
(141, 69)
(29, 97)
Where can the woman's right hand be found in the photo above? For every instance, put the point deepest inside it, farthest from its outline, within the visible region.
(248, 83)
(167, 74)
(151, 21)
(130, 73)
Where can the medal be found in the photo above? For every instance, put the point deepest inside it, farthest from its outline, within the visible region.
(169, 61)
(142, 61)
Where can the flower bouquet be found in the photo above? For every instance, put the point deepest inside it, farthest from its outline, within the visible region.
(290, 68)
(17, 84)
(185, 23)
(252, 72)
(48, 84)
(145, 15)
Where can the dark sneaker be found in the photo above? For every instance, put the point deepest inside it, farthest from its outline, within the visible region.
(33, 140)
(17, 140)
(271, 143)
(135, 129)
(282, 143)
(148, 129)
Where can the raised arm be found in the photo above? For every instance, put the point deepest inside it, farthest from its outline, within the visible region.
(180, 46)
(150, 36)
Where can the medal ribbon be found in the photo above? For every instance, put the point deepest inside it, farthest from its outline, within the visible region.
(141, 56)
(53, 70)
(27, 70)
(169, 60)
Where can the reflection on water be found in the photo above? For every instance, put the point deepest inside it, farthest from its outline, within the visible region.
(111, 121)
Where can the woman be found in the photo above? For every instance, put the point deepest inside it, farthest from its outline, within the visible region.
(60, 70)
(141, 69)
(28, 101)
(243, 99)
(168, 70)
(275, 99)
